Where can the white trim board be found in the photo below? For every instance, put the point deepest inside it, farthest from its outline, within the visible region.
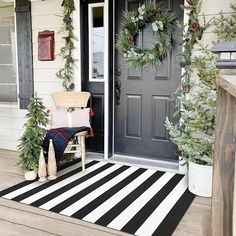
(149, 163)
(137, 161)
(106, 78)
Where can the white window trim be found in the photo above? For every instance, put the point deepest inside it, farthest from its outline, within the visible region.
(12, 104)
(17, 69)
(106, 82)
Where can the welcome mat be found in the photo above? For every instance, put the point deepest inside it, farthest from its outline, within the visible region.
(135, 200)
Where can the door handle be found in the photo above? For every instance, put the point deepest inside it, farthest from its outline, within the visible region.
(117, 96)
(117, 91)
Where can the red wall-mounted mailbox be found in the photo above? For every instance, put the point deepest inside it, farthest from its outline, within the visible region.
(46, 45)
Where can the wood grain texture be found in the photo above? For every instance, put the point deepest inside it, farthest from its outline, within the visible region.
(20, 219)
(24, 49)
(20, 230)
(224, 161)
(227, 83)
(71, 99)
(234, 200)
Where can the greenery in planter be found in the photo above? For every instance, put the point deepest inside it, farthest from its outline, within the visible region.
(31, 140)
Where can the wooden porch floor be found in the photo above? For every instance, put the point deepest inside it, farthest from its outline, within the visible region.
(23, 220)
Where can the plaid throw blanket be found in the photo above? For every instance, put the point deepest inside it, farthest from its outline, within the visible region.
(61, 137)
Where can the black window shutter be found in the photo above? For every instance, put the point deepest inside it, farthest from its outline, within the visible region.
(24, 50)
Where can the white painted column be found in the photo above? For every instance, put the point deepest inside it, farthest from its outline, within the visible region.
(106, 80)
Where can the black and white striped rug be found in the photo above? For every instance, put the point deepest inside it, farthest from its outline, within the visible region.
(134, 200)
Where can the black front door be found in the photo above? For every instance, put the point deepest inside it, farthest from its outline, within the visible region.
(145, 94)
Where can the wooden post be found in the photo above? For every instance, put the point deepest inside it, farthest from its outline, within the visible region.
(42, 170)
(52, 166)
(82, 150)
(234, 200)
(224, 192)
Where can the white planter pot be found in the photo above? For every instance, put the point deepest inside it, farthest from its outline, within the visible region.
(30, 175)
(200, 179)
(183, 166)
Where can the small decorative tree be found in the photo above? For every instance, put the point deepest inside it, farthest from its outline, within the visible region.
(194, 132)
(196, 97)
(196, 102)
(31, 140)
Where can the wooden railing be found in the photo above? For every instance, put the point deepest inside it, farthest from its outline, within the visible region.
(224, 175)
(224, 190)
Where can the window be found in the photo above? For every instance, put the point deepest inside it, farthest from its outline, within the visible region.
(96, 42)
(8, 86)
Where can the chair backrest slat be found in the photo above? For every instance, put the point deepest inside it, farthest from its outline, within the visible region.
(71, 99)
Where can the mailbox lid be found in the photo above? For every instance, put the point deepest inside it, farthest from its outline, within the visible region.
(45, 39)
(46, 33)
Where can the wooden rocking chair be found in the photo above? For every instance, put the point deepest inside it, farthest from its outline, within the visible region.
(74, 100)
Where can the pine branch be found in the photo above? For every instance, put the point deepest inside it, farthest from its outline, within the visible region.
(66, 73)
(225, 27)
(34, 131)
(196, 95)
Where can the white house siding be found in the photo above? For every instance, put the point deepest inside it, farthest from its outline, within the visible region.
(47, 15)
(212, 8)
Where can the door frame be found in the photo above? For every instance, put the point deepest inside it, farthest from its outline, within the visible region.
(109, 72)
(108, 69)
(106, 79)
(109, 63)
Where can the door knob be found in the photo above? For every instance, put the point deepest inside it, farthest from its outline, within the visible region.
(117, 91)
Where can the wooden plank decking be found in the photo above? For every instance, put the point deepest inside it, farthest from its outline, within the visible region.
(23, 220)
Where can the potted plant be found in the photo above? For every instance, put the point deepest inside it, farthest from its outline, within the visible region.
(196, 100)
(31, 140)
(194, 134)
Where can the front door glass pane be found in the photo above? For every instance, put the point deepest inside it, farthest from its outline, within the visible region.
(96, 42)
